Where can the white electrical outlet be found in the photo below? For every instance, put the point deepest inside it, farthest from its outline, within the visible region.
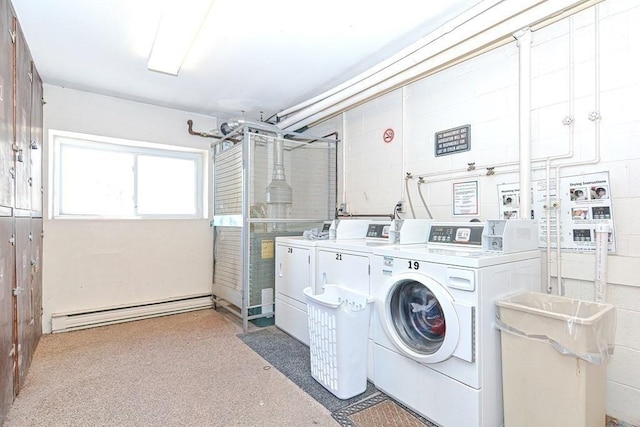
(400, 206)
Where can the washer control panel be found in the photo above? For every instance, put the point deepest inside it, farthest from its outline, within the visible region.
(456, 234)
(378, 231)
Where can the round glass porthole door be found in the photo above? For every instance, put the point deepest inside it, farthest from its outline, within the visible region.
(418, 317)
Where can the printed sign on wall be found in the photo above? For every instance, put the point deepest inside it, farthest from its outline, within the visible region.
(453, 141)
(465, 199)
(583, 202)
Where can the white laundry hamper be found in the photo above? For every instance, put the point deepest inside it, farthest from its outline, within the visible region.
(338, 339)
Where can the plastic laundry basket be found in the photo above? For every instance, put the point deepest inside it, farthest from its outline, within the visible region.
(554, 360)
(338, 338)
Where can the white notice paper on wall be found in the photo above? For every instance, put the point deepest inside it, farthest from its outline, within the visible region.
(465, 199)
(580, 202)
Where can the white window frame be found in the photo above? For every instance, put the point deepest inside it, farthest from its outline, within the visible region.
(59, 138)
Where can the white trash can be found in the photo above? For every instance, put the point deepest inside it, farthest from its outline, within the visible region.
(554, 360)
(338, 339)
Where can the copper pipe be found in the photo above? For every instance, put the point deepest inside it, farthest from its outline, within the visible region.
(202, 134)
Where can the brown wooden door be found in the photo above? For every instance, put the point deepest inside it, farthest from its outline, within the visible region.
(23, 120)
(21, 146)
(36, 279)
(6, 106)
(26, 332)
(36, 143)
(7, 275)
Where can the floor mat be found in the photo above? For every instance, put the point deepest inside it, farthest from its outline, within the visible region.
(379, 410)
(291, 357)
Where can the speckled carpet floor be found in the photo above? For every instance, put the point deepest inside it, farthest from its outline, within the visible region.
(187, 369)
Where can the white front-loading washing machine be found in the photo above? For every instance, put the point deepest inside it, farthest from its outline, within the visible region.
(296, 260)
(435, 346)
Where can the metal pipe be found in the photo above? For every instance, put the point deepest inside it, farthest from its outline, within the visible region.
(483, 27)
(547, 208)
(391, 216)
(229, 126)
(279, 192)
(524, 54)
(560, 291)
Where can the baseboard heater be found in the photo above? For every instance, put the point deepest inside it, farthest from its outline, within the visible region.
(63, 322)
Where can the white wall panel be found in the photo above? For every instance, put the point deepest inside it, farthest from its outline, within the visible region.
(373, 182)
(622, 402)
(484, 96)
(104, 263)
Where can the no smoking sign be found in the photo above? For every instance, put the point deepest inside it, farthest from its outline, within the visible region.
(388, 135)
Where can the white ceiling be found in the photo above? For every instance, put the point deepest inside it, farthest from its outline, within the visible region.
(252, 58)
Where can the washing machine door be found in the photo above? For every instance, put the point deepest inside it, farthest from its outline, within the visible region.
(418, 316)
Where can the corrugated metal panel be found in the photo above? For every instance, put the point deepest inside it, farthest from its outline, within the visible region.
(227, 274)
(228, 182)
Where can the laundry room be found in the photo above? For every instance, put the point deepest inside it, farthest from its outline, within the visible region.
(476, 158)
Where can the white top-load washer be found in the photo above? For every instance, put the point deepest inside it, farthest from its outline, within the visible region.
(295, 270)
(347, 263)
(435, 346)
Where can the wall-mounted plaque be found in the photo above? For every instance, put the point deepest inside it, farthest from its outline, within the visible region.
(452, 141)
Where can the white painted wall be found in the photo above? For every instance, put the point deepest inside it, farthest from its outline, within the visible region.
(584, 63)
(92, 264)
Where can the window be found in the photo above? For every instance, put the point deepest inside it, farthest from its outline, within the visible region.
(113, 178)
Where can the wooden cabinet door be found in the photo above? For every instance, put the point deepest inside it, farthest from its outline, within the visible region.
(27, 338)
(36, 143)
(23, 121)
(36, 278)
(7, 274)
(6, 107)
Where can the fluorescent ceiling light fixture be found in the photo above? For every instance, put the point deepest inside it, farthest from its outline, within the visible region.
(180, 23)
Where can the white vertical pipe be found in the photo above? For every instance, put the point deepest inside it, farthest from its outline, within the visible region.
(547, 210)
(602, 230)
(558, 240)
(602, 249)
(524, 38)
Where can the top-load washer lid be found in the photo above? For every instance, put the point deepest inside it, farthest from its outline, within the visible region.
(348, 229)
(409, 231)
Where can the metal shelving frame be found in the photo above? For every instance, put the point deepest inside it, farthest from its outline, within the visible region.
(246, 218)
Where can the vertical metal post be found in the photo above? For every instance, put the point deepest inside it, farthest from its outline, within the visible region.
(246, 232)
